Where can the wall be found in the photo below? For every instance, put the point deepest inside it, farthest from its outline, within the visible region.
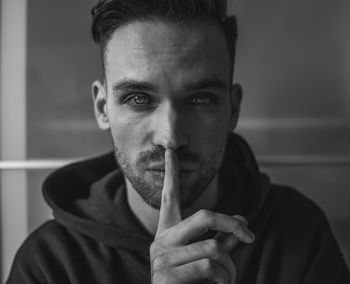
(293, 62)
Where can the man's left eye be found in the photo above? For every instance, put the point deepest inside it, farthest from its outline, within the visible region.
(202, 100)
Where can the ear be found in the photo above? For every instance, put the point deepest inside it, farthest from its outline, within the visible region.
(236, 94)
(99, 96)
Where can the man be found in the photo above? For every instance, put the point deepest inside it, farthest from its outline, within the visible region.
(176, 207)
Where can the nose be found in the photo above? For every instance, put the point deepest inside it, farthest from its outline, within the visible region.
(169, 128)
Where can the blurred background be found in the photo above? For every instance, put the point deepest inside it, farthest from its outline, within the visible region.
(293, 61)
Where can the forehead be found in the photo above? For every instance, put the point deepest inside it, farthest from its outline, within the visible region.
(154, 49)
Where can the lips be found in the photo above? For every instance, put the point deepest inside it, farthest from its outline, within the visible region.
(157, 173)
(161, 168)
(161, 173)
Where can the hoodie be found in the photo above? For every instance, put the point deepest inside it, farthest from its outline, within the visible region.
(95, 238)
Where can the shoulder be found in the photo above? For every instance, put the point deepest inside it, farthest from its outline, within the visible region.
(49, 236)
(298, 228)
(54, 253)
(289, 215)
(46, 245)
(295, 216)
(293, 205)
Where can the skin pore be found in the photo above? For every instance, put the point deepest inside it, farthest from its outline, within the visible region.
(168, 86)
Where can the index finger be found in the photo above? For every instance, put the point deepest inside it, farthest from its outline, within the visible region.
(170, 208)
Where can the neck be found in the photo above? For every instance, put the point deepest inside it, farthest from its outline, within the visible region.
(149, 216)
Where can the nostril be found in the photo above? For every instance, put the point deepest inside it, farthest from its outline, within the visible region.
(171, 141)
(169, 128)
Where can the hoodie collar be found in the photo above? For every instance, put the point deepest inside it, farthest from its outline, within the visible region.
(89, 196)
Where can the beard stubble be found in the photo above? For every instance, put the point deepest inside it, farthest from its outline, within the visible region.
(151, 192)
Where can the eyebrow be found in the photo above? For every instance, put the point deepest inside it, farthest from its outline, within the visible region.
(132, 85)
(209, 83)
(135, 85)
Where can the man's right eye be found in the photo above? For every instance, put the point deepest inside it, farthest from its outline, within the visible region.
(139, 100)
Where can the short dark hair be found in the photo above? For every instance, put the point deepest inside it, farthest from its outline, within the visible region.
(109, 15)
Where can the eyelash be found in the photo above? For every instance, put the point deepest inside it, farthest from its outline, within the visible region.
(131, 99)
(212, 99)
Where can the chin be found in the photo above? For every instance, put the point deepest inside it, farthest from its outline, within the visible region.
(151, 192)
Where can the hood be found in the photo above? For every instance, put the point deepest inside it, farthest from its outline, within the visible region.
(83, 196)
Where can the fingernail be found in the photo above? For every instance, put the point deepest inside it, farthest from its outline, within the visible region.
(241, 219)
(251, 236)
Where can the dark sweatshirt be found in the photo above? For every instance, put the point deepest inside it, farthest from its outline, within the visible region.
(95, 238)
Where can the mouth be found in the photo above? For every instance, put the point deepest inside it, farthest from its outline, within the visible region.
(184, 168)
(158, 173)
(161, 173)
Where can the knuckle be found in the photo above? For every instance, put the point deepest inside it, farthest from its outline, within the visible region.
(154, 249)
(213, 246)
(211, 270)
(239, 229)
(207, 267)
(214, 249)
(237, 224)
(205, 216)
(157, 277)
(165, 276)
(242, 219)
(158, 262)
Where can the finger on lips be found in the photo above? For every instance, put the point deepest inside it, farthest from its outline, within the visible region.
(175, 246)
(170, 208)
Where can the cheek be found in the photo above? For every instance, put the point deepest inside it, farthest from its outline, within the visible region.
(212, 126)
(209, 136)
(128, 133)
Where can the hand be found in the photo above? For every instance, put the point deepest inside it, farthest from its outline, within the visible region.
(174, 259)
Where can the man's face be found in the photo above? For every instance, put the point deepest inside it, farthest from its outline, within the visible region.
(167, 86)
